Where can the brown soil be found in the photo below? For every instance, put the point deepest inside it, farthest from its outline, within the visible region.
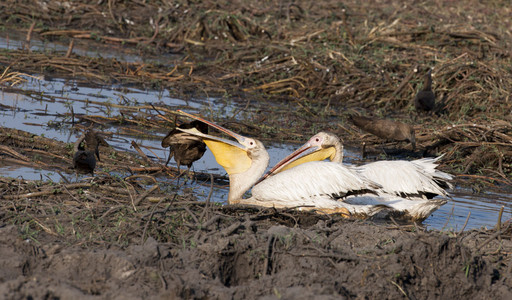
(134, 236)
(270, 255)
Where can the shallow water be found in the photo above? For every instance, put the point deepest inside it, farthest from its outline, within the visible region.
(46, 115)
(484, 208)
(12, 40)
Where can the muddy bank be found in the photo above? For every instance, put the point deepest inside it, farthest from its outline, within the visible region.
(256, 256)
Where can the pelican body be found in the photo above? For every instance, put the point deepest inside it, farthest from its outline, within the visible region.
(246, 160)
(407, 187)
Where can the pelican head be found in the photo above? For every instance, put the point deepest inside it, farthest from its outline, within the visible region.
(321, 146)
(244, 161)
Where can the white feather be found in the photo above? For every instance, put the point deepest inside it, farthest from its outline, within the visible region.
(315, 183)
(411, 178)
(370, 205)
(318, 185)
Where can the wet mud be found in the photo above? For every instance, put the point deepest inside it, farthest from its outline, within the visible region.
(262, 256)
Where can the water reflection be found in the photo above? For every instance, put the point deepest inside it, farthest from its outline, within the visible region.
(27, 173)
(484, 208)
(15, 41)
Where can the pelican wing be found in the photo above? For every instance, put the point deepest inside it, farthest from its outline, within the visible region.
(407, 178)
(388, 205)
(311, 183)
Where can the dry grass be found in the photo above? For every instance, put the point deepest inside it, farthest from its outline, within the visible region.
(13, 78)
(320, 60)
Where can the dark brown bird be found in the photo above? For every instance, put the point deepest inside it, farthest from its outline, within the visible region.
(86, 147)
(386, 129)
(425, 98)
(185, 148)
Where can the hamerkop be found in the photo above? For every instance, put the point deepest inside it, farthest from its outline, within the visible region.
(386, 129)
(425, 98)
(185, 148)
(86, 150)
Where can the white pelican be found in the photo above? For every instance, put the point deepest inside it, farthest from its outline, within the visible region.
(246, 160)
(415, 182)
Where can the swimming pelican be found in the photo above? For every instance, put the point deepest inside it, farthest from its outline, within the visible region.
(415, 182)
(246, 160)
(186, 149)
